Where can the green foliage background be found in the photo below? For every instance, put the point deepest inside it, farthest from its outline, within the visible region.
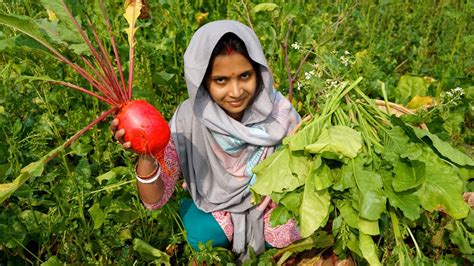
(84, 207)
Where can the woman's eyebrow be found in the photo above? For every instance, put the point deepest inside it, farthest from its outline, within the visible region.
(218, 76)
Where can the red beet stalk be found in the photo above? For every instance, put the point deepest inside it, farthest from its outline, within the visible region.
(145, 128)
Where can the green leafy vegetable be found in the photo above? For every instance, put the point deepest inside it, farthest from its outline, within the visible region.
(369, 166)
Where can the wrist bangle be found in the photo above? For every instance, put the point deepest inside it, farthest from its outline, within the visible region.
(152, 179)
(148, 179)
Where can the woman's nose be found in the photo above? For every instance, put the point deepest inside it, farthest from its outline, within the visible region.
(235, 89)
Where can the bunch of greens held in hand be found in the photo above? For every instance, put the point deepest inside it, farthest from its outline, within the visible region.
(368, 181)
(103, 70)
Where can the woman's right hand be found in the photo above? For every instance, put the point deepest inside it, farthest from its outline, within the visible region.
(119, 135)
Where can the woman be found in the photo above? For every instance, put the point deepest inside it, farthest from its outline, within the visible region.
(232, 119)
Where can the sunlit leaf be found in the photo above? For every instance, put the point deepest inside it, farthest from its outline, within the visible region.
(28, 26)
(32, 170)
(265, 7)
(445, 149)
(341, 140)
(409, 87)
(125, 234)
(314, 208)
(150, 253)
(97, 214)
(420, 101)
(368, 227)
(52, 261)
(59, 18)
(132, 12)
(292, 201)
(51, 15)
(307, 135)
(462, 238)
(372, 204)
(348, 213)
(442, 189)
(33, 220)
(368, 248)
(279, 179)
(407, 202)
(113, 173)
(201, 17)
(408, 175)
(395, 142)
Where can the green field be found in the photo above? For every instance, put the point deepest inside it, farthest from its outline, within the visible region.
(82, 207)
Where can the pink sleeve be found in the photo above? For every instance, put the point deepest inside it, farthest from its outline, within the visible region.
(225, 221)
(169, 179)
(282, 235)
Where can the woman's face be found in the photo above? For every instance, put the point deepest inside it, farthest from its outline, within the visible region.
(232, 83)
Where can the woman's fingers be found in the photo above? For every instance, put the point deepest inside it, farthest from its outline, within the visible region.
(114, 124)
(119, 134)
(127, 145)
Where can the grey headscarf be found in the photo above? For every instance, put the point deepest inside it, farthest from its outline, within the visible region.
(264, 123)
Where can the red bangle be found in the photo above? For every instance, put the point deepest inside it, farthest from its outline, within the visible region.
(149, 175)
(149, 180)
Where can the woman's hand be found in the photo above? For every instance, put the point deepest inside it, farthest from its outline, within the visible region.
(119, 135)
(146, 162)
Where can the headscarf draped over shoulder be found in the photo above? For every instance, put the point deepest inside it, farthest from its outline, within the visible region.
(216, 152)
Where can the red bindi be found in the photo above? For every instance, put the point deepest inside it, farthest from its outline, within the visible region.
(229, 50)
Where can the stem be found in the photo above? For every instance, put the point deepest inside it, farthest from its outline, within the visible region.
(287, 62)
(397, 234)
(179, 222)
(107, 68)
(385, 98)
(110, 94)
(131, 54)
(109, 187)
(23, 246)
(112, 41)
(370, 102)
(72, 86)
(418, 250)
(101, 60)
(334, 103)
(247, 16)
(354, 171)
(82, 131)
(302, 61)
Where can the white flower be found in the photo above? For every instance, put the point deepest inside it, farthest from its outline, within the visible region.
(298, 85)
(344, 60)
(458, 90)
(295, 46)
(308, 75)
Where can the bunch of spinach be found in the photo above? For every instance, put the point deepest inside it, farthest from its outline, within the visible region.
(372, 179)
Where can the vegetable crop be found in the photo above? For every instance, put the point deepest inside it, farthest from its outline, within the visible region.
(373, 182)
(144, 125)
(146, 129)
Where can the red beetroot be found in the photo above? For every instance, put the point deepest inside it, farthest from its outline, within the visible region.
(145, 127)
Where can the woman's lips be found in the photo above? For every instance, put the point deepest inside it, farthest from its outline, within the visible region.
(236, 103)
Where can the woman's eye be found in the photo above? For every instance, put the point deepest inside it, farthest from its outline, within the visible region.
(245, 75)
(220, 80)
